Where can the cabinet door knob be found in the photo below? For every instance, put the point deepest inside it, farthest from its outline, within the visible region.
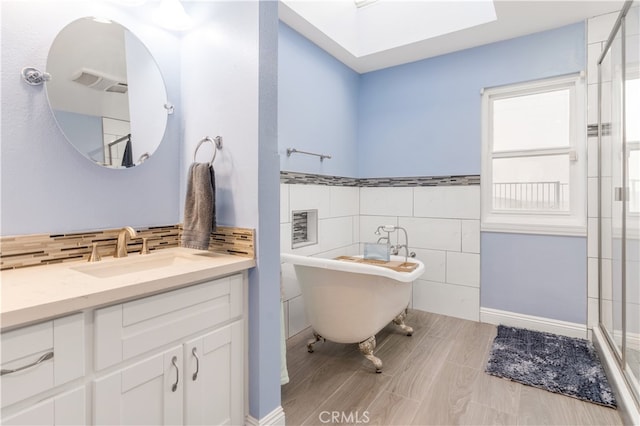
(195, 354)
(174, 361)
(40, 360)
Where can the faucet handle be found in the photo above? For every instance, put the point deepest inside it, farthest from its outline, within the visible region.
(145, 246)
(95, 254)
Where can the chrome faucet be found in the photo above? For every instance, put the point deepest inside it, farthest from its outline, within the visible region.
(121, 245)
(395, 249)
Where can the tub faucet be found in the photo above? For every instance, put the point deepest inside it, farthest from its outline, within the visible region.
(121, 245)
(395, 249)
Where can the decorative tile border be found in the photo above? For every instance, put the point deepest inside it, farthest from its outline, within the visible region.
(311, 179)
(592, 129)
(421, 181)
(41, 249)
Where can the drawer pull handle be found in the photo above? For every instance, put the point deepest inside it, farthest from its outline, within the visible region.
(40, 360)
(195, 354)
(174, 360)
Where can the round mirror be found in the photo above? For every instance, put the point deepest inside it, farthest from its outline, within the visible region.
(106, 93)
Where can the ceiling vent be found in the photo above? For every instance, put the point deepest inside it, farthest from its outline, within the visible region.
(99, 81)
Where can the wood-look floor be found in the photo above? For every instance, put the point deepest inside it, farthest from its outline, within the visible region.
(435, 377)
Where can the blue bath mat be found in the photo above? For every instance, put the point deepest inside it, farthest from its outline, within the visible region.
(559, 364)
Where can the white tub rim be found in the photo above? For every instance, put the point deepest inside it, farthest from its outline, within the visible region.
(357, 268)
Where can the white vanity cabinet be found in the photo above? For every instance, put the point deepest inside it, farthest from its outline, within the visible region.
(38, 359)
(172, 358)
(148, 392)
(213, 382)
(67, 408)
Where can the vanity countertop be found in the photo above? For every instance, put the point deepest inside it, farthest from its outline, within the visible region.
(37, 293)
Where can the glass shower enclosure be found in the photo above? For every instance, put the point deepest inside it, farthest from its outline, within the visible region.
(619, 193)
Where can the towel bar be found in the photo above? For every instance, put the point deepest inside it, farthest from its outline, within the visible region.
(217, 144)
(294, 151)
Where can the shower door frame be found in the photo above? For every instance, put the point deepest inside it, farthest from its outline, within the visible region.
(620, 354)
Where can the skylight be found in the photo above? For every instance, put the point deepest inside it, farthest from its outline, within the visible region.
(387, 24)
(363, 3)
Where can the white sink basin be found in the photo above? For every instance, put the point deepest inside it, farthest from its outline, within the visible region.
(134, 263)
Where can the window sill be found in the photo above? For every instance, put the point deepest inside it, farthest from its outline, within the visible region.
(535, 229)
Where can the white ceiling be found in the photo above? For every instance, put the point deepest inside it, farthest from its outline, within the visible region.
(379, 36)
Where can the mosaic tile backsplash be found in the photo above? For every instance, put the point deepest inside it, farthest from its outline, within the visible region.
(312, 179)
(41, 249)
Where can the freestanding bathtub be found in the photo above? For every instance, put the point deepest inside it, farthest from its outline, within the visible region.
(349, 302)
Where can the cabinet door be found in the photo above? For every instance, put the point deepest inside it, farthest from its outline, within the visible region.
(149, 392)
(65, 409)
(215, 395)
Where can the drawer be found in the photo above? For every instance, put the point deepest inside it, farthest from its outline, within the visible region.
(42, 356)
(129, 329)
(64, 409)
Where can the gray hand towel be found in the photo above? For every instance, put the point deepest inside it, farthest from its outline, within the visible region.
(199, 207)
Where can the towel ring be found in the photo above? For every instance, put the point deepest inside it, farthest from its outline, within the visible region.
(217, 144)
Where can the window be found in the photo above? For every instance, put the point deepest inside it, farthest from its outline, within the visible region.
(534, 161)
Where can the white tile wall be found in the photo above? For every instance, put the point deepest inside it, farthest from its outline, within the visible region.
(290, 287)
(592, 237)
(471, 236)
(297, 317)
(444, 231)
(437, 234)
(605, 233)
(592, 277)
(599, 27)
(594, 50)
(450, 202)
(345, 201)
(607, 285)
(435, 263)
(606, 197)
(592, 157)
(447, 299)
(338, 232)
(592, 312)
(369, 224)
(463, 269)
(386, 201)
(592, 201)
(306, 197)
(605, 151)
(284, 204)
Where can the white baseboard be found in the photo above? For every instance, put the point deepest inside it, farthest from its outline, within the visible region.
(513, 319)
(274, 418)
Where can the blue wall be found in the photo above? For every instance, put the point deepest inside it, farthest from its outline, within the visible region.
(536, 275)
(317, 107)
(423, 118)
(46, 185)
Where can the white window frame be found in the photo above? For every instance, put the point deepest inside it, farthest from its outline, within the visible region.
(572, 222)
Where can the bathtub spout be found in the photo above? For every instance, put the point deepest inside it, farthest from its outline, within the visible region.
(399, 321)
(367, 347)
(316, 338)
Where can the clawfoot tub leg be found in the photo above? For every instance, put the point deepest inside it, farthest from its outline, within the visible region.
(367, 347)
(316, 338)
(399, 321)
